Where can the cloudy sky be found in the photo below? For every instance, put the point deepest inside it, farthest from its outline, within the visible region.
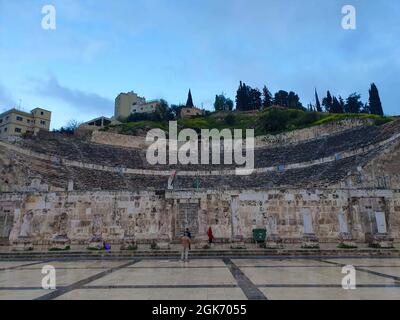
(161, 48)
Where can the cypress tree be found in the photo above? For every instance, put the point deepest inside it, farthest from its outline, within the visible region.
(375, 105)
(336, 107)
(317, 103)
(342, 104)
(328, 102)
(189, 103)
(267, 98)
(239, 97)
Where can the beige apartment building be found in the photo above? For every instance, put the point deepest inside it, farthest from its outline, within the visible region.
(188, 112)
(148, 107)
(130, 102)
(124, 103)
(16, 122)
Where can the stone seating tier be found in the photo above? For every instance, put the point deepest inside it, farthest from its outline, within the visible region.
(72, 148)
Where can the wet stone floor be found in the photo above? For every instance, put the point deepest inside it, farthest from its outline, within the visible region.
(202, 279)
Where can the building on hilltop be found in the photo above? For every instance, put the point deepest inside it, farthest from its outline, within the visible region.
(128, 103)
(190, 110)
(94, 124)
(15, 122)
(148, 107)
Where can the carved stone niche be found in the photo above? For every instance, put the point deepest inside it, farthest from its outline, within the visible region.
(310, 240)
(24, 242)
(60, 241)
(273, 240)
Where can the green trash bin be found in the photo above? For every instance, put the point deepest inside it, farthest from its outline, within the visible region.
(259, 235)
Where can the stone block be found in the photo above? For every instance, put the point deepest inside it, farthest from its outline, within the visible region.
(381, 240)
(23, 244)
(310, 241)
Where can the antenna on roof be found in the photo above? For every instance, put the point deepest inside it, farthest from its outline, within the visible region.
(20, 102)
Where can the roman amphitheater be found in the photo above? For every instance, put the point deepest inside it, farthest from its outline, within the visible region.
(339, 182)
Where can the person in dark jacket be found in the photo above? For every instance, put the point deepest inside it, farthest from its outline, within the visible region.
(189, 235)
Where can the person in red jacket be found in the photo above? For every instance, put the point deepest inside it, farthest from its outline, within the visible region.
(210, 235)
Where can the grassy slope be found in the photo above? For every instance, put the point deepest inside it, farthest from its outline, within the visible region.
(262, 122)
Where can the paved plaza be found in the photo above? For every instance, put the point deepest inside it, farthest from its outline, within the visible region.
(202, 279)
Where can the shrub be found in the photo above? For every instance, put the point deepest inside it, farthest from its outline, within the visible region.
(60, 249)
(346, 246)
(230, 120)
(274, 120)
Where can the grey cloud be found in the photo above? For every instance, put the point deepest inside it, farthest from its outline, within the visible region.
(84, 101)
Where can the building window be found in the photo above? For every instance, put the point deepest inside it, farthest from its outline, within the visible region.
(19, 118)
(41, 113)
(1, 120)
(27, 120)
(18, 130)
(5, 129)
(42, 122)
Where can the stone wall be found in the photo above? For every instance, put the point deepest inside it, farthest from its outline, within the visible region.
(158, 215)
(296, 136)
(312, 133)
(120, 140)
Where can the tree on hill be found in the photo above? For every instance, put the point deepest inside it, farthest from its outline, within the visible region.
(365, 108)
(281, 98)
(353, 103)
(222, 103)
(294, 101)
(375, 105)
(255, 99)
(163, 111)
(266, 98)
(242, 97)
(247, 98)
(342, 104)
(336, 106)
(317, 103)
(327, 102)
(189, 103)
(176, 110)
(310, 107)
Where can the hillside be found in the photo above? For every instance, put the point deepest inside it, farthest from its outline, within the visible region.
(270, 121)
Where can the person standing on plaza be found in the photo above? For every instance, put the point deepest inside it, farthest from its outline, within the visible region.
(185, 241)
(210, 236)
(189, 235)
